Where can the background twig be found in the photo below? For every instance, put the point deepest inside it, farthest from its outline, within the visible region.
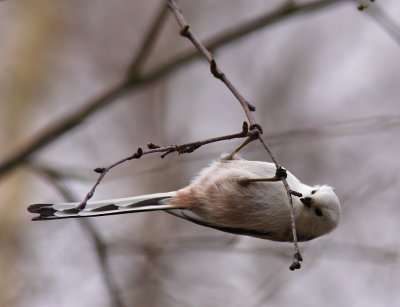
(100, 247)
(134, 79)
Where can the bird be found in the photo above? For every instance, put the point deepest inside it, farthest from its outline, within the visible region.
(233, 195)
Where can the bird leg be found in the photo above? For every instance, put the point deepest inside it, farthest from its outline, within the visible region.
(279, 175)
(234, 152)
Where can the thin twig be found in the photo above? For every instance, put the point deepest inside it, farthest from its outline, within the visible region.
(186, 31)
(355, 126)
(61, 126)
(347, 128)
(180, 149)
(215, 70)
(134, 69)
(297, 256)
(287, 10)
(101, 248)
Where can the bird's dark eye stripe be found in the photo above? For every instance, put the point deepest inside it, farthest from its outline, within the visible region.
(313, 191)
(318, 212)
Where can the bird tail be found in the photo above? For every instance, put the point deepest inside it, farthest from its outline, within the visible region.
(150, 202)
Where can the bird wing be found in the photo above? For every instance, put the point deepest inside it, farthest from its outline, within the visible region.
(194, 218)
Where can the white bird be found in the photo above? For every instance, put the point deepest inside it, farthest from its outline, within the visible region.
(232, 195)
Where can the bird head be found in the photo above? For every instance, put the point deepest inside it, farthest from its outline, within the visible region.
(319, 212)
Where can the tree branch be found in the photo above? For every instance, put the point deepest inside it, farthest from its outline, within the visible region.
(219, 74)
(69, 122)
(185, 31)
(99, 245)
(180, 149)
(287, 10)
(60, 127)
(148, 43)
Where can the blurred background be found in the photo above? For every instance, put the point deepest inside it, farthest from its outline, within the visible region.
(324, 78)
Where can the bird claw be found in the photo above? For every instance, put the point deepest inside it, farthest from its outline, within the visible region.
(296, 265)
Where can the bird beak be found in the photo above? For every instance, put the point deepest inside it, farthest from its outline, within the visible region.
(306, 201)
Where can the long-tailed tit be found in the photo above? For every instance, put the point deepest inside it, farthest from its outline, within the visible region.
(231, 195)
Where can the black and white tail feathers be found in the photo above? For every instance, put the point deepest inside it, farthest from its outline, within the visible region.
(150, 202)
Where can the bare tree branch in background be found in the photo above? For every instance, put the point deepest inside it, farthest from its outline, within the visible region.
(100, 248)
(134, 79)
(147, 45)
(355, 126)
(347, 128)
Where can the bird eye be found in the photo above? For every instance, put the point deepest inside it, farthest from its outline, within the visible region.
(318, 212)
(313, 191)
